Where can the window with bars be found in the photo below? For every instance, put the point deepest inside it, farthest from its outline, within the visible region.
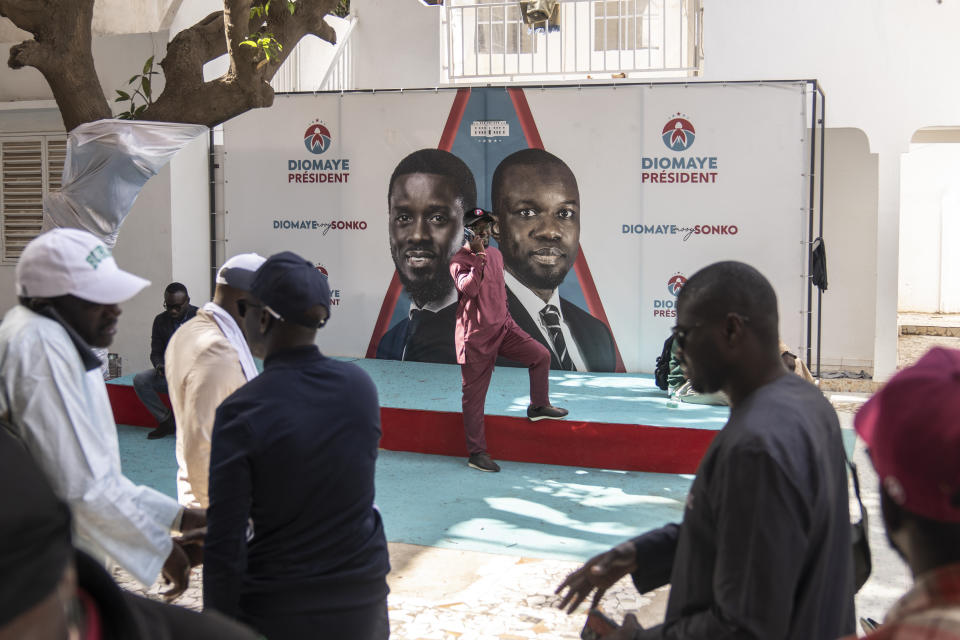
(500, 29)
(29, 168)
(620, 25)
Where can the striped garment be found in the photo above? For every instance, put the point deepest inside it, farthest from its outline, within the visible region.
(929, 611)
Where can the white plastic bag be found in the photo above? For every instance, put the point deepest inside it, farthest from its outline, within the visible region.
(107, 164)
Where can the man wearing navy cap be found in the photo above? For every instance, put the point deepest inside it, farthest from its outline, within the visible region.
(295, 546)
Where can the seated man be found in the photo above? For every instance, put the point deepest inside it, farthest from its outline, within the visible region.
(51, 591)
(151, 383)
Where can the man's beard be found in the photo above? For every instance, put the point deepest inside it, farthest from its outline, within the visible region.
(427, 289)
(427, 285)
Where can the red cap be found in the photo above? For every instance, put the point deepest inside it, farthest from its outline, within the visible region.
(912, 428)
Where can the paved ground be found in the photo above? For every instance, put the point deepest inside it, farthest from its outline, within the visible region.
(441, 594)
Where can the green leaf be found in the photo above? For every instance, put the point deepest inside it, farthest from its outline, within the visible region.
(291, 7)
(140, 109)
(148, 64)
(146, 88)
(266, 8)
(248, 43)
(123, 95)
(133, 79)
(256, 12)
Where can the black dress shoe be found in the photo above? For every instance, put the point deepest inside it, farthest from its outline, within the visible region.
(167, 428)
(483, 462)
(545, 413)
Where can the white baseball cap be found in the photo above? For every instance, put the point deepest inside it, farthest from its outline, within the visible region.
(237, 272)
(75, 262)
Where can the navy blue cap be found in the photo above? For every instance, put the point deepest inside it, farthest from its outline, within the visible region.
(476, 216)
(289, 286)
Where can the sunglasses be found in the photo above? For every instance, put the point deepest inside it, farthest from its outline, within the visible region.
(174, 307)
(242, 306)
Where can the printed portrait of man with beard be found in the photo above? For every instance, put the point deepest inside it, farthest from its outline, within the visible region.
(428, 194)
(536, 208)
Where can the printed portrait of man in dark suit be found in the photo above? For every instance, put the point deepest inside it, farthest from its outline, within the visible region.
(536, 208)
(428, 194)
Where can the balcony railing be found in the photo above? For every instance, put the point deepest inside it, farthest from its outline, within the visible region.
(489, 39)
(315, 65)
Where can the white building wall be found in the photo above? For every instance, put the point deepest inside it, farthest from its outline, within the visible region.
(849, 227)
(398, 44)
(929, 219)
(190, 219)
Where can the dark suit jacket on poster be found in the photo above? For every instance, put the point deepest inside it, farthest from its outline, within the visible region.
(432, 341)
(593, 337)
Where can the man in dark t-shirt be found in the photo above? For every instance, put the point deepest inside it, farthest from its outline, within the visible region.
(764, 547)
(295, 545)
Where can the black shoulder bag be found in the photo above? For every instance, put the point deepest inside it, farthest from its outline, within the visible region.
(862, 564)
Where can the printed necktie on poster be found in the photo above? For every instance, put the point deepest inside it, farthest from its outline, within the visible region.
(550, 317)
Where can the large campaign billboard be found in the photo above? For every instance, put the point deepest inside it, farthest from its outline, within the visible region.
(604, 200)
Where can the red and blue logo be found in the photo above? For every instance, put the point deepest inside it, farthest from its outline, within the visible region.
(678, 134)
(317, 138)
(676, 283)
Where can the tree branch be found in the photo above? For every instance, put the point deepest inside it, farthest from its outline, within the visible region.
(245, 86)
(60, 50)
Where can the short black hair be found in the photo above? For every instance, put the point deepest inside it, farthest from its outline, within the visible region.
(441, 163)
(731, 286)
(524, 157)
(176, 287)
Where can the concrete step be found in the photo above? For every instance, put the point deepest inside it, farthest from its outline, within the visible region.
(849, 385)
(929, 330)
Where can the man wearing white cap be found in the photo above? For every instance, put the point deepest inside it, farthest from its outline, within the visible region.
(52, 396)
(207, 360)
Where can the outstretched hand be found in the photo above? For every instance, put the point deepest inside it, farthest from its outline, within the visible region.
(600, 573)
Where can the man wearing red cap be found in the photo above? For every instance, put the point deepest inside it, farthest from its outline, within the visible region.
(915, 448)
(486, 330)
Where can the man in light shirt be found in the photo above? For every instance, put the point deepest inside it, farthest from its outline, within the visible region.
(207, 360)
(536, 206)
(53, 398)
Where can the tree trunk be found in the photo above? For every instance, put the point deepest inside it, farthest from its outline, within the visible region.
(61, 51)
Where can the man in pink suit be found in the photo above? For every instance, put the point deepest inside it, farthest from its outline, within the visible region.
(486, 330)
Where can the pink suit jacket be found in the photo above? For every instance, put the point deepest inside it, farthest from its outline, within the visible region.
(482, 312)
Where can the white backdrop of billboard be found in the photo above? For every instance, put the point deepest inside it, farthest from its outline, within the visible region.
(726, 182)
